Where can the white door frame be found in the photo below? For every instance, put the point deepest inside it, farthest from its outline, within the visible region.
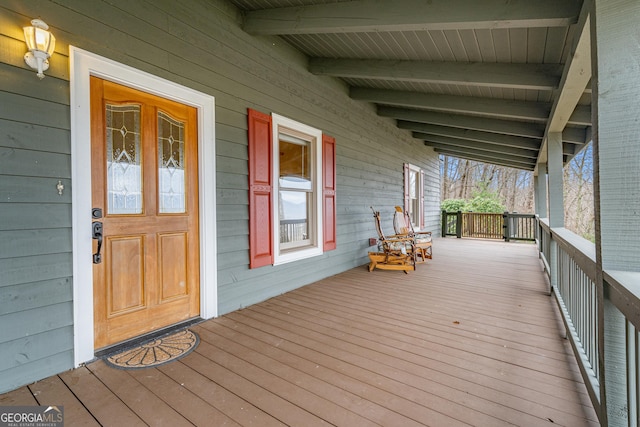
(84, 64)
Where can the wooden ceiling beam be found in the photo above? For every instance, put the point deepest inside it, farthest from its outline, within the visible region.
(530, 144)
(581, 116)
(576, 79)
(492, 144)
(507, 127)
(411, 15)
(570, 135)
(484, 158)
(489, 149)
(485, 107)
(515, 76)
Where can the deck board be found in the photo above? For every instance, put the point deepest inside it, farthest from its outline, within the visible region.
(445, 375)
(105, 406)
(235, 382)
(340, 388)
(19, 397)
(142, 400)
(196, 410)
(52, 389)
(241, 411)
(469, 338)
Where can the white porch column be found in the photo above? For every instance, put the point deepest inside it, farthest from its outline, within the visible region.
(556, 197)
(540, 184)
(556, 186)
(616, 131)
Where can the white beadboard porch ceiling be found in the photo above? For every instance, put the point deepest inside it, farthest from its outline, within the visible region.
(484, 80)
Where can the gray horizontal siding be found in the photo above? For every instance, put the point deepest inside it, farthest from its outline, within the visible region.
(32, 110)
(36, 292)
(26, 243)
(30, 189)
(28, 163)
(27, 216)
(30, 136)
(36, 347)
(34, 268)
(28, 370)
(26, 296)
(198, 44)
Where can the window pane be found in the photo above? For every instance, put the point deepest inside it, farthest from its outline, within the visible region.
(171, 187)
(124, 174)
(294, 215)
(414, 201)
(295, 163)
(413, 181)
(415, 212)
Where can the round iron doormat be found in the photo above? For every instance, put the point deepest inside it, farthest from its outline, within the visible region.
(156, 352)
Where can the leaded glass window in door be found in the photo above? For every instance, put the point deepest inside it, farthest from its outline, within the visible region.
(171, 185)
(124, 173)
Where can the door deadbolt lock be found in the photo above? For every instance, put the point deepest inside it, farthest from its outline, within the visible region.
(96, 213)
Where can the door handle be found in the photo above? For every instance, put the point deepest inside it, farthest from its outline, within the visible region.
(96, 234)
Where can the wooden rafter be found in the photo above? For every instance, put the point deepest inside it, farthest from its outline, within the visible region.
(411, 15)
(515, 76)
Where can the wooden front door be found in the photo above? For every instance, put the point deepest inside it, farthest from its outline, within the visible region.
(144, 181)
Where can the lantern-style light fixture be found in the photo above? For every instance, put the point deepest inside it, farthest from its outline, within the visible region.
(41, 44)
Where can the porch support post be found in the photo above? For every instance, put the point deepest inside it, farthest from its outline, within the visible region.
(556, 186)
(556, 198)
(616, 151)
(540, 184)
(540, 195)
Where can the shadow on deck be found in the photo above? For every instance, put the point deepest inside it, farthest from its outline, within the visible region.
(469, 338)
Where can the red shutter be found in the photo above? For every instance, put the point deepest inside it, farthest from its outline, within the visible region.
(421, 199)
(406, 186)
(260, 220)
(329, 191)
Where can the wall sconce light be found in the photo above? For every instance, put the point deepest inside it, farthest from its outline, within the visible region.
(41, 44)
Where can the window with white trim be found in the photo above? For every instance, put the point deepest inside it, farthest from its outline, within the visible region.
(292, 190)
(297, 161)
(414, 194)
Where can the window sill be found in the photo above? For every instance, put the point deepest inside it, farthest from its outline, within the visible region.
(297, 255)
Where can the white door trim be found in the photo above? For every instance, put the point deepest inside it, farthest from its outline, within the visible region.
(84, 64)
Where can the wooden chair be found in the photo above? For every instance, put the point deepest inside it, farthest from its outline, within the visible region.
(395, 253)
(422, 240)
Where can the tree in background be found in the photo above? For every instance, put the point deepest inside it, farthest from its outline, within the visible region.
(479, 187)
(579, 213)
(489, 186)
(483, 200)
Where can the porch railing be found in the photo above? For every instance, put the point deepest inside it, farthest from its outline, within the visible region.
(507, 226)
(452, 224)
(570, 264)
(482, 225)
(293, 230)
(519, 226)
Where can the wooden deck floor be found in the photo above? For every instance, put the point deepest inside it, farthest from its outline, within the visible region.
(470, 338)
